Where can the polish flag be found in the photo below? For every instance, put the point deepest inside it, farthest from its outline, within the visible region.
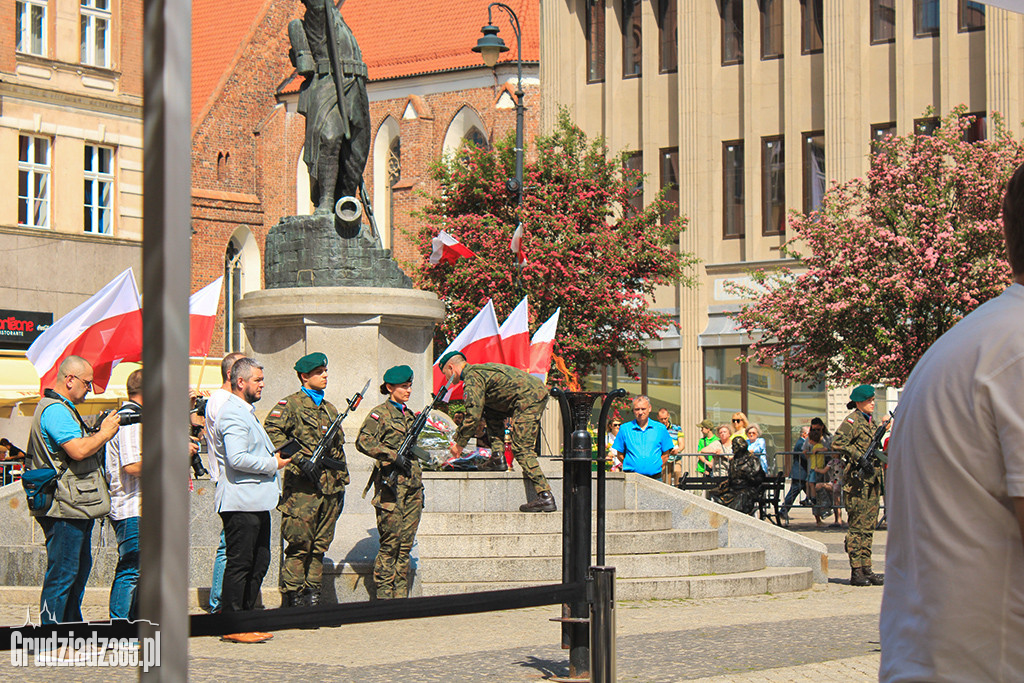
(542, 345)
(202, 314)
(479, 342)
(447, 249)
(105, 330)
(517, 245)
(515, 337)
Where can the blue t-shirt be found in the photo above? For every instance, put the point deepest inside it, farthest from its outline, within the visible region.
(59, 426)
(757, 447)
(642, 448)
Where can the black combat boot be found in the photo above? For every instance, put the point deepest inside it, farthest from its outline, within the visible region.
(858, 577)
(497, 463)
(873, 578)
(313, 596)
(544, 502)
(291, 599)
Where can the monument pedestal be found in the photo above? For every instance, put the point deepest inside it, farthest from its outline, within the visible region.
(363, 330)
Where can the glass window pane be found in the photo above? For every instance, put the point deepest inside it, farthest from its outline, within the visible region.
(663, 383)
(814, 171)
(85, 38)
(89, 154)
(24, 147)
(38, 28)
(766, 407)
(722, 384)
(105, 154)
(23, 209)
(101, 42)
(42, 151)
(23, 183)
(595, 41)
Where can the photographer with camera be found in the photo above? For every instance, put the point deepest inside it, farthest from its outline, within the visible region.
(75, 495)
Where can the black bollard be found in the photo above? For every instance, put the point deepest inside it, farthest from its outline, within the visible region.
(602, 625)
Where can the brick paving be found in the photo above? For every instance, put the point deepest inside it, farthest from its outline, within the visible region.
(826, 634)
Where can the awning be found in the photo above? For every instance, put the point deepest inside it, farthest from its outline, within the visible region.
(19, 384)
(723, 331)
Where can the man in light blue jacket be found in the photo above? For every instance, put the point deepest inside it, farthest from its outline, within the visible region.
(247, 489)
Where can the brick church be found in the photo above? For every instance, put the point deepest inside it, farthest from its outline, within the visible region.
(429, 94)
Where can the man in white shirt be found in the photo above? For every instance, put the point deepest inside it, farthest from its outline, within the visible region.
(123, 471)
(953, 606)
(213, 447)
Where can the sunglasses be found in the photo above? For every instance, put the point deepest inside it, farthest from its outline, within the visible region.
(736, 419)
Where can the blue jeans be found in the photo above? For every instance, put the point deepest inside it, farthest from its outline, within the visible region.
(217, 584)
(795, 487)
(123, 604)
(68, 563)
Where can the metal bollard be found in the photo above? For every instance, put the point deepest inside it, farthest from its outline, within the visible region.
(602, 625)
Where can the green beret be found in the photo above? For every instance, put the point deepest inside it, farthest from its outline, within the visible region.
(310, 362)
(706, 424)
(862, 393)
(400, 374)
(448, 356)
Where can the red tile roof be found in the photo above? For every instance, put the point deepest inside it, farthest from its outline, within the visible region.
(407, 38)
(219, 31)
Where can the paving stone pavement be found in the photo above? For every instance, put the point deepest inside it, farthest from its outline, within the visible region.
(826, 634)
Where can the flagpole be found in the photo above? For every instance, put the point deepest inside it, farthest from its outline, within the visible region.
(199, 382)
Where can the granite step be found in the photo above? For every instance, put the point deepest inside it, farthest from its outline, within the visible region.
(452, 523)
(532, 545)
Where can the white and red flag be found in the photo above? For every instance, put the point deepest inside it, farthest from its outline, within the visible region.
(479, 342)
(447, 249)
(515, 337)
(542, 345)
(517, 245)
(105, 330)
(202, 314)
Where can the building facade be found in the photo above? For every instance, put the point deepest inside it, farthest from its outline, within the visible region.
(71, 158)
(751, 109)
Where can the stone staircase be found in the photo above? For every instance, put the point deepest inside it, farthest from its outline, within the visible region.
(664, 543)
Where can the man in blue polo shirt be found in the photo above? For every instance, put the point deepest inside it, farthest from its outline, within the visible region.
(643, 444)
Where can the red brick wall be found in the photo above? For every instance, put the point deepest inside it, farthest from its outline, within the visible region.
(130, 60)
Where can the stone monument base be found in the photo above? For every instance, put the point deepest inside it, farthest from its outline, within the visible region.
(306, 251)
(363, 330)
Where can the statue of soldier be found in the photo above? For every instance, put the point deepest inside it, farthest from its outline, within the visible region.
(308, 515)
(494, 392)
(861, 490)
(333, 99)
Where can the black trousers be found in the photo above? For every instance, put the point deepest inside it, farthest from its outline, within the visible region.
(247, 542)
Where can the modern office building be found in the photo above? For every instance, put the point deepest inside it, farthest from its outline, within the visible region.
(746, 110)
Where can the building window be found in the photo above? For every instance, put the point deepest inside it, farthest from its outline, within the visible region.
(634, 165)
(814, 170)
(732, 31)
(632, 38)
(394, 171)
(977, 128)
(99, 190)
(812, 22)
(33, 181)
(670, 182)
(732, 189)
(926, 126)
(773, 185)
(30, 26)
(883, 21)
(970, 15)
(595, 41)
(476, 138)
(879, 132)
(232, 295)
(668, 55)
(771, 29)
(96, 32)
(926, 18)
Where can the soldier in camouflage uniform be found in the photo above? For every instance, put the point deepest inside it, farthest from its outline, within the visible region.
(860, 491)
(399, 508)
(308, 516)
(494, 392)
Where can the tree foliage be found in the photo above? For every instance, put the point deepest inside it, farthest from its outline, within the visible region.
(585, 254)
(889, 262)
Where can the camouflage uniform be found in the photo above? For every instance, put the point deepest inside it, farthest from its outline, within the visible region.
(861, 493)
(494, 392)
(398, 512)
(307, 516)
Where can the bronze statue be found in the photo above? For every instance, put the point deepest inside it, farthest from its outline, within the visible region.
(333, 99)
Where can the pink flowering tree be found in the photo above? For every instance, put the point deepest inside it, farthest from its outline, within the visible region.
(584, 253)
(889, 262)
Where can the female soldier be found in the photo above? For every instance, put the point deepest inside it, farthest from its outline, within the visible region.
(399, 507)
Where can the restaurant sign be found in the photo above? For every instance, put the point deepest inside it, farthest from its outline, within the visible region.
(18, 329)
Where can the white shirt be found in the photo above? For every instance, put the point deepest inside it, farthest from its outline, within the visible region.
(953, 607)
(125, 489)
(214, 442)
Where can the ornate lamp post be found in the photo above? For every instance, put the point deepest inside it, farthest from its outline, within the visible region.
(490, 46)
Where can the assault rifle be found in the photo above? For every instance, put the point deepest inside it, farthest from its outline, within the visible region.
(312, 466)
(409, 449)
(874, 449)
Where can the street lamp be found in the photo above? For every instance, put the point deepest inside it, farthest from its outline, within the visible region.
(490, 45)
